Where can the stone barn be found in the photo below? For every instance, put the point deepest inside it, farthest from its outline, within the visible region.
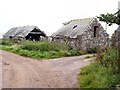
(25, 32)
(82, 34)
(115, 39)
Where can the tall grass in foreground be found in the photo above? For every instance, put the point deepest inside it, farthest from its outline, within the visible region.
(41, 49)
(6, 42)
(44, 46)
(109, 58)
(103, 73)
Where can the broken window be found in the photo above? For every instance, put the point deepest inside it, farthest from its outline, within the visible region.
(95, 30)
(74, 26)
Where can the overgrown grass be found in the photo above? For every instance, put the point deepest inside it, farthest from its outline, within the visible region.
(97, 76)
(109, 58)
(7, 42)
(41, 49)
(44, 46)
(102, 73)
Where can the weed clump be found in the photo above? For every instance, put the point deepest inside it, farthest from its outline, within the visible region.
(103, 73)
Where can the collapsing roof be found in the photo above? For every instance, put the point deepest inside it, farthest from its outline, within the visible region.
(24, 32)
(74, 27)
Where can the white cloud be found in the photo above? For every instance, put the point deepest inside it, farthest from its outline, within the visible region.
(49, 15)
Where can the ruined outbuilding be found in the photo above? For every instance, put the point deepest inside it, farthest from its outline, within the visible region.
(25, 32)
(115, 39)
(83, 34)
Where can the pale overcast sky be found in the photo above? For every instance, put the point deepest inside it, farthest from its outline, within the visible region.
(49, 15)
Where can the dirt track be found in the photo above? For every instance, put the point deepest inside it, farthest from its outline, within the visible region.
(22, 72)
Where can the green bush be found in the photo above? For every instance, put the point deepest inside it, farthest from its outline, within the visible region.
(109, 58)
(103, 73)
(97, 76)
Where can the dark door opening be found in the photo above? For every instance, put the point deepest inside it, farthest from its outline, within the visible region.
(33, 37)
(35, 34)
(95, 31)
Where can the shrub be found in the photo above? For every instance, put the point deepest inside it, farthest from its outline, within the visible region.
(97, 76)
(109, 58)
(103, 73)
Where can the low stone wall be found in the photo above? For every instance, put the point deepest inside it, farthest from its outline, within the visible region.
(83, 43)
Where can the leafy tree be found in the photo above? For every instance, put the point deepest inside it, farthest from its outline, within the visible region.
(110, 18)
(113, 19)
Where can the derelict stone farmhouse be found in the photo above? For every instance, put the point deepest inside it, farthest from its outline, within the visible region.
(25, 32)
(116, 38)
(83, 34)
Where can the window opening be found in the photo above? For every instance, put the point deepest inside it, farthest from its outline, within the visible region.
(74, 26)
(95, 30)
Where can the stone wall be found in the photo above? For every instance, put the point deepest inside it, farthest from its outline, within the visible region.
(84, 42)
(115, 40)
(89, 42)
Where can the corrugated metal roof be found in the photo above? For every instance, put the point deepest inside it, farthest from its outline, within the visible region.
(20, 31)
(74, 28)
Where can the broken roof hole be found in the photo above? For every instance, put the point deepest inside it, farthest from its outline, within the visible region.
(74, 26)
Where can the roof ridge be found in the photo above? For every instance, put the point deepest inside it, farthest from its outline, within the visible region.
(68, 22)
(24, 26)
(82, 19)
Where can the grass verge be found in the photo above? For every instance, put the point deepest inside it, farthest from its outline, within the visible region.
(102, 73)
(97, 76)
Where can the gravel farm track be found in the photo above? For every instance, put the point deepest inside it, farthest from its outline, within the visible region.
(24, 72)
